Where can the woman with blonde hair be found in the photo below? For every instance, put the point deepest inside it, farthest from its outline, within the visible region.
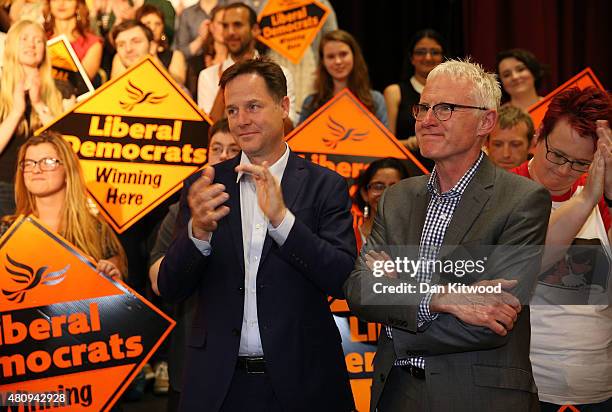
(71, 18)
(341, 65)
(49, 185)
(28, 98)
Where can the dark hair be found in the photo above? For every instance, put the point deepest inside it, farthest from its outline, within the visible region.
(252, 14)
(510, 116)
(366, 176)
(147, 9)
(580, 108)
(407, 67)
(273, 75)
(220, 126)
(127, 25)
(358, 81)
(82, 26)
(209, 43)
(528, 59)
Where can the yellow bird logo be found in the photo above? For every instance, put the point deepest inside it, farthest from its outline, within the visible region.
(25, 276)
(137, 96)
(341, 133)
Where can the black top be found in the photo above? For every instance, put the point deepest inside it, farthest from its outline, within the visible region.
(404, 126)
(8, 157)
(165, 57)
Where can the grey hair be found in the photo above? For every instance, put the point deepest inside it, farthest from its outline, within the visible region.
(486, 91)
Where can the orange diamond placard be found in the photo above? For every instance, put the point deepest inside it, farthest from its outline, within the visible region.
(289, 26)
(138, 137)
(343, 135)
(582, 80)
(71, 339)
(66, 66)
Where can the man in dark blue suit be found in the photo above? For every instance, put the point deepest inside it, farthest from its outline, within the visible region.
(263, 257)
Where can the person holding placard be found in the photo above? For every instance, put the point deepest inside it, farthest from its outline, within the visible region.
(49, 185)
(71, 18)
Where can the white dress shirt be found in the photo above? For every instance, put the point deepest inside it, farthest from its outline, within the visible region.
(254, 228)
(208, 87)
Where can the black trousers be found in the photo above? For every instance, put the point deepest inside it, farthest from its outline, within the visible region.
(250, 392)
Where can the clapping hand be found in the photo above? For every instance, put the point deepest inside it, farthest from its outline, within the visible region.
(269, 194)
(206, 203)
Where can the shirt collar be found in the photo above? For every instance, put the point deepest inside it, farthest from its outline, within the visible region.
(434, 188)
(277, 169)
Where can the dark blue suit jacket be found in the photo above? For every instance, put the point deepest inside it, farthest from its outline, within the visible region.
(301, 342)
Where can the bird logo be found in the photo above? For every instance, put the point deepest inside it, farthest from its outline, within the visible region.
(341, 133)
(25, 276)
(137, 96)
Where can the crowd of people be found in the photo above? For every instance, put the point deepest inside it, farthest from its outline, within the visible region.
(257, 241)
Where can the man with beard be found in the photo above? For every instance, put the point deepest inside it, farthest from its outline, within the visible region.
(240, 31)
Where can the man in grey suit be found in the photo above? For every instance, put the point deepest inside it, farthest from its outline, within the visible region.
(449, 349)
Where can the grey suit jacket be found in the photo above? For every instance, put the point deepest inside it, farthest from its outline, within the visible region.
(468, 368)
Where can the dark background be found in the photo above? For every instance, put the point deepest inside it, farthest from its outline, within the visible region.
(566, 35)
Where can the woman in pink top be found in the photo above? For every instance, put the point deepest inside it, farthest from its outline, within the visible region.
(71, 17)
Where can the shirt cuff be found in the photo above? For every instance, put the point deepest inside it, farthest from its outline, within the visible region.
(202, 245)
(424, 315)
(280, 233)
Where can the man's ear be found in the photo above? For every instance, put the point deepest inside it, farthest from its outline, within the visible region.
(256, 30)
(285, 104)
(535, 139)
(487, 123)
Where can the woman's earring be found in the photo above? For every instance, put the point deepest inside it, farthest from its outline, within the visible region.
(366, 211)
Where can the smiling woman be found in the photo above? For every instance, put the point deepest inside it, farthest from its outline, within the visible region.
(28, 98)
(341, 65)
(71, 18)
(521, 76)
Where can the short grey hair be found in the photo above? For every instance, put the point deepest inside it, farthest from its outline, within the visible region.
(486, 91)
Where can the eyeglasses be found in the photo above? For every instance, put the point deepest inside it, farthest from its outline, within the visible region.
(423, 52)
(45, 164)
(559, 159)
(376, 187)
(442, 111)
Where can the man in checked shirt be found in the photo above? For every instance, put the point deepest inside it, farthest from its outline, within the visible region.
(441, 350)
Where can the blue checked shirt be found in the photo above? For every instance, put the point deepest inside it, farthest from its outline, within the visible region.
(439, 214)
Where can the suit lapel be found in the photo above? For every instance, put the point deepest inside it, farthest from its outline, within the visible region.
(472, 202)
(418, 213)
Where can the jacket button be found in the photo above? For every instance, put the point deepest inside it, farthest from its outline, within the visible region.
(235, 332)
(382, 377)
(241, 290)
